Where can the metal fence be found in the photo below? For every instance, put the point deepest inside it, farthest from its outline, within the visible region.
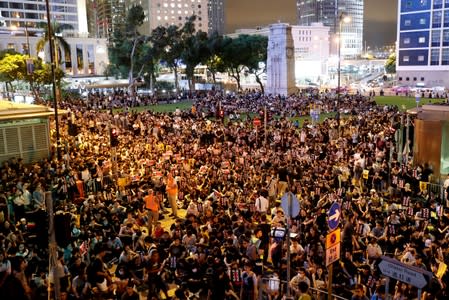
(438, 191)
(273, 287)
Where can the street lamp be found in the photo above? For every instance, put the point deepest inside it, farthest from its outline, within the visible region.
(342, 19)
(53, 72)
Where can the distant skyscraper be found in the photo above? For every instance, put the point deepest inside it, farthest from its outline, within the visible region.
(172, 12)
(105, 16)
(216, 16)
(423, 43)
(329, 12)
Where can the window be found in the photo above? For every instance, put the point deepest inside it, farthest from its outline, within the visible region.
(422, 39)
(436, 19)
(445, 57)
(422, 21)
(420, 58)
(436, 35)
(414, 78)
(407, 22)
(434, 57)
(446, 37)
(437, 4)
(406, 41)
(406, 58)
(446, 18)
(422, 78)
(400, 78)
(407, 78)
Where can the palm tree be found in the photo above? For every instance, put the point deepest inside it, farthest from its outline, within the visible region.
(59, 41)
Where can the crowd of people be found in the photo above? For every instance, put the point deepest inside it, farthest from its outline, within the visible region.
(113, 204)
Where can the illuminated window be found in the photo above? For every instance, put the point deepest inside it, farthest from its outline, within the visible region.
(422, 40)
(406, 41)
(406, 58)
(420, 58)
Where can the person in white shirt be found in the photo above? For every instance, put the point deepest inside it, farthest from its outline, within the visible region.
(262, 204)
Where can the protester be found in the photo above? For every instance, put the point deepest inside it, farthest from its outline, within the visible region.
(229, 176)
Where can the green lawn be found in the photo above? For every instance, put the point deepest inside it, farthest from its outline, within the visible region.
(401, 101)
(404, 102)
(162, 108)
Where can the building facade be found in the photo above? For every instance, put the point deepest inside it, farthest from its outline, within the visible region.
(423, 43)
(329, 13)
(105, 17)
(216, 16)
(29, 14)
(22, 30)
(175, 12)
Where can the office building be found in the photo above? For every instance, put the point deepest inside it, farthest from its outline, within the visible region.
(19, 14)
(329, 13)
(173, 12)
(423, 43)
(22, 30)
(216, 16)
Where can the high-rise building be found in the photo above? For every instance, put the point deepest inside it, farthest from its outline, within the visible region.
(27, 15)
(172, 12)
(216, 16)
(21, 30)
(423, 43)
(329, 13)
(105, 17)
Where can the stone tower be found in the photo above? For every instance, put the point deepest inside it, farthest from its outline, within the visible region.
(280, 61)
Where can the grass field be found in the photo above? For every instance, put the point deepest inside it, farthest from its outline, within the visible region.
(403, 102)
(162, 108)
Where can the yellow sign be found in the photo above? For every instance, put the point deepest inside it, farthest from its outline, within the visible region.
(333, 238)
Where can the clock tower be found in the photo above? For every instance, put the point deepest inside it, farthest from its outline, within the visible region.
(280, 61)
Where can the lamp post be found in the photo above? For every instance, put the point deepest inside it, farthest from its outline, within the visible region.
(341, 19)
(53, 73)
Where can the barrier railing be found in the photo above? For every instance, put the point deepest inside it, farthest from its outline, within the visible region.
(274, 287)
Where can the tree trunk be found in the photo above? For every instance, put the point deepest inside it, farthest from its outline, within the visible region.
(260, 83)
(175, 71)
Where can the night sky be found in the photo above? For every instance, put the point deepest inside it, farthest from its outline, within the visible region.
(379, 27)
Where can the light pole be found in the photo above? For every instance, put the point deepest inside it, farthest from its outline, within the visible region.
(53, 67)
(341, 19)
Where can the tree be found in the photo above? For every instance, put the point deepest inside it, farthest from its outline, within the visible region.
(168, 43)
(13, 67)
(390, 64)
(195, 50)
(215, 63)
(236, 55)
(258, 45)
(59, 40)
(129, 48)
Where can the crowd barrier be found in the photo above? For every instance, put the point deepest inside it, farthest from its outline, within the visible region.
(273, 286)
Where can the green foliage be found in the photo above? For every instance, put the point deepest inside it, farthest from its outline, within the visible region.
(128, 48)
(195, 50)
(134, 19)
(238, 54)
(59, 40)
(390, 64)
(258, 47)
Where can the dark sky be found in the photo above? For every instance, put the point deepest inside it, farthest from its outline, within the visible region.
(379, 27)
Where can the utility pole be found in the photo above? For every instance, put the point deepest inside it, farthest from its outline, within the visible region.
(53, 67)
